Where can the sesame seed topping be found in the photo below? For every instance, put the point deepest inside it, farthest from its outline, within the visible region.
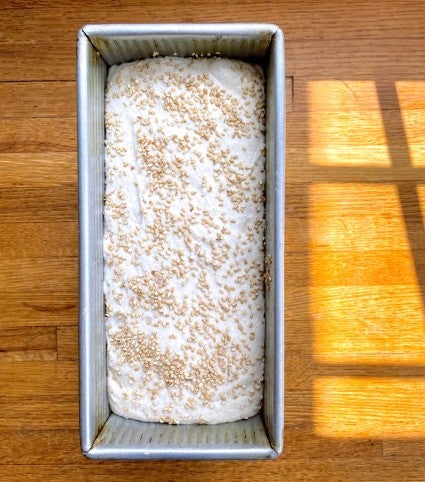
(185, 270)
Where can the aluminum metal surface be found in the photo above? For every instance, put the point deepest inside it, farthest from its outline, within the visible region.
(103, 434)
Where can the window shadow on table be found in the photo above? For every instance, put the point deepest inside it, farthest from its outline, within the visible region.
(370, 404)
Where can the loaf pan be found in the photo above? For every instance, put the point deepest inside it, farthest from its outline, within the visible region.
(105, 435)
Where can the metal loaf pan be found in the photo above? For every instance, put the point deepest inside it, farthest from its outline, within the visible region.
(105, 435)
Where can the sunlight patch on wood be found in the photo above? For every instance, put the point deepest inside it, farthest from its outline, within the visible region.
(360, 407)
(366, 304)
(411, 98)
(345, 133)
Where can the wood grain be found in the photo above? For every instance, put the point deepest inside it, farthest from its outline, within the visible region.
(25, 344)
(368, 407)
(29, 446)
(67, 342)
(304, 371)
(39, 308)
(40, 62)
(31, 5)
(313, 94)
(365, 165)
(394, 448)
(382, 324)
(38, 135)
(357, 59)
(37, 99)
(39, 378)
(300, 21)
(371, 268)
(300, 441)
(376, 469)
(341, 199)
(354, 128)
(49, 169)
(51, 204)
(352, 233)
(38, 240)
(336, 38)
(50, 293)
(47, 275)
(39, 412)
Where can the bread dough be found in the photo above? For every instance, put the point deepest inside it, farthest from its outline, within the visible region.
(183, 239)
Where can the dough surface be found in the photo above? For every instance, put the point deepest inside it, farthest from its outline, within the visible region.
(183, 239)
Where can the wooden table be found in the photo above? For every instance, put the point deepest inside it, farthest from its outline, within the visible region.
(355, 240)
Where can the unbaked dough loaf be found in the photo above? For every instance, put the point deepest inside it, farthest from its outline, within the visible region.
(183, 239)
